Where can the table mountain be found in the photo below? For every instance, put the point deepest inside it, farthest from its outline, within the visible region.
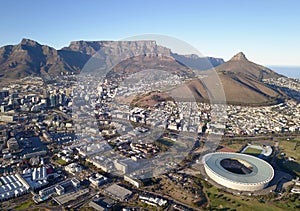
(31, 58)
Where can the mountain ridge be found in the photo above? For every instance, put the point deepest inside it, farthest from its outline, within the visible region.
(32, 58)
(242, 80)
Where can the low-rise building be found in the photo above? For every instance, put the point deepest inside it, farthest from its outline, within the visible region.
(97, 180)
(59, 188)
(136, 182)
(12, 144)
(73, 168)
(118, 192)
(12, 186)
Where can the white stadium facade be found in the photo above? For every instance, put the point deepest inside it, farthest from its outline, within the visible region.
(238, 171)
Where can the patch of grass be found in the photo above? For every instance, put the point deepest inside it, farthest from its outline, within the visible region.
(291, 148)
(184, 194)
(166, 142)
(292, 204)
(253, 151)
(24, 206)
(61, 162)
(220, 200)
(235, 146)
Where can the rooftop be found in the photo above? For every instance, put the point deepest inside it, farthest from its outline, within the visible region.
(261, 170)
(118, 191)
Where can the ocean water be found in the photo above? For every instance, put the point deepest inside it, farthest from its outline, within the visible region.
(289, 71)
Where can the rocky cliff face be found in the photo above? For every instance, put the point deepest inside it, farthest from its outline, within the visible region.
(239, 57)
(31, 58)
(107, 54)
(198, 63)
(118, 47)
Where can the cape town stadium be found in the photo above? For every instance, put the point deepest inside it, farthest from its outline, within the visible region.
(238, 171)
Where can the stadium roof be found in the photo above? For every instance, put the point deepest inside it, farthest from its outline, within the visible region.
(262, 171)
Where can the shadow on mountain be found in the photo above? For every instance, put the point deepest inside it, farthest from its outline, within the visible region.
(291, 93)
(74, 58)
(197, 63)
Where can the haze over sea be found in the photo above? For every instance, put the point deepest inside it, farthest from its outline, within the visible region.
(289, 71)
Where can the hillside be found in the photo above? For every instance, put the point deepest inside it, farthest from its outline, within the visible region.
(240, 65)
(30, 58)
(242, 83)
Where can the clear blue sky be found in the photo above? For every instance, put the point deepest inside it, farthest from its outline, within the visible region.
(267, 31)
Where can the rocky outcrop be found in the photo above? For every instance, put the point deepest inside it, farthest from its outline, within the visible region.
(31, 58)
